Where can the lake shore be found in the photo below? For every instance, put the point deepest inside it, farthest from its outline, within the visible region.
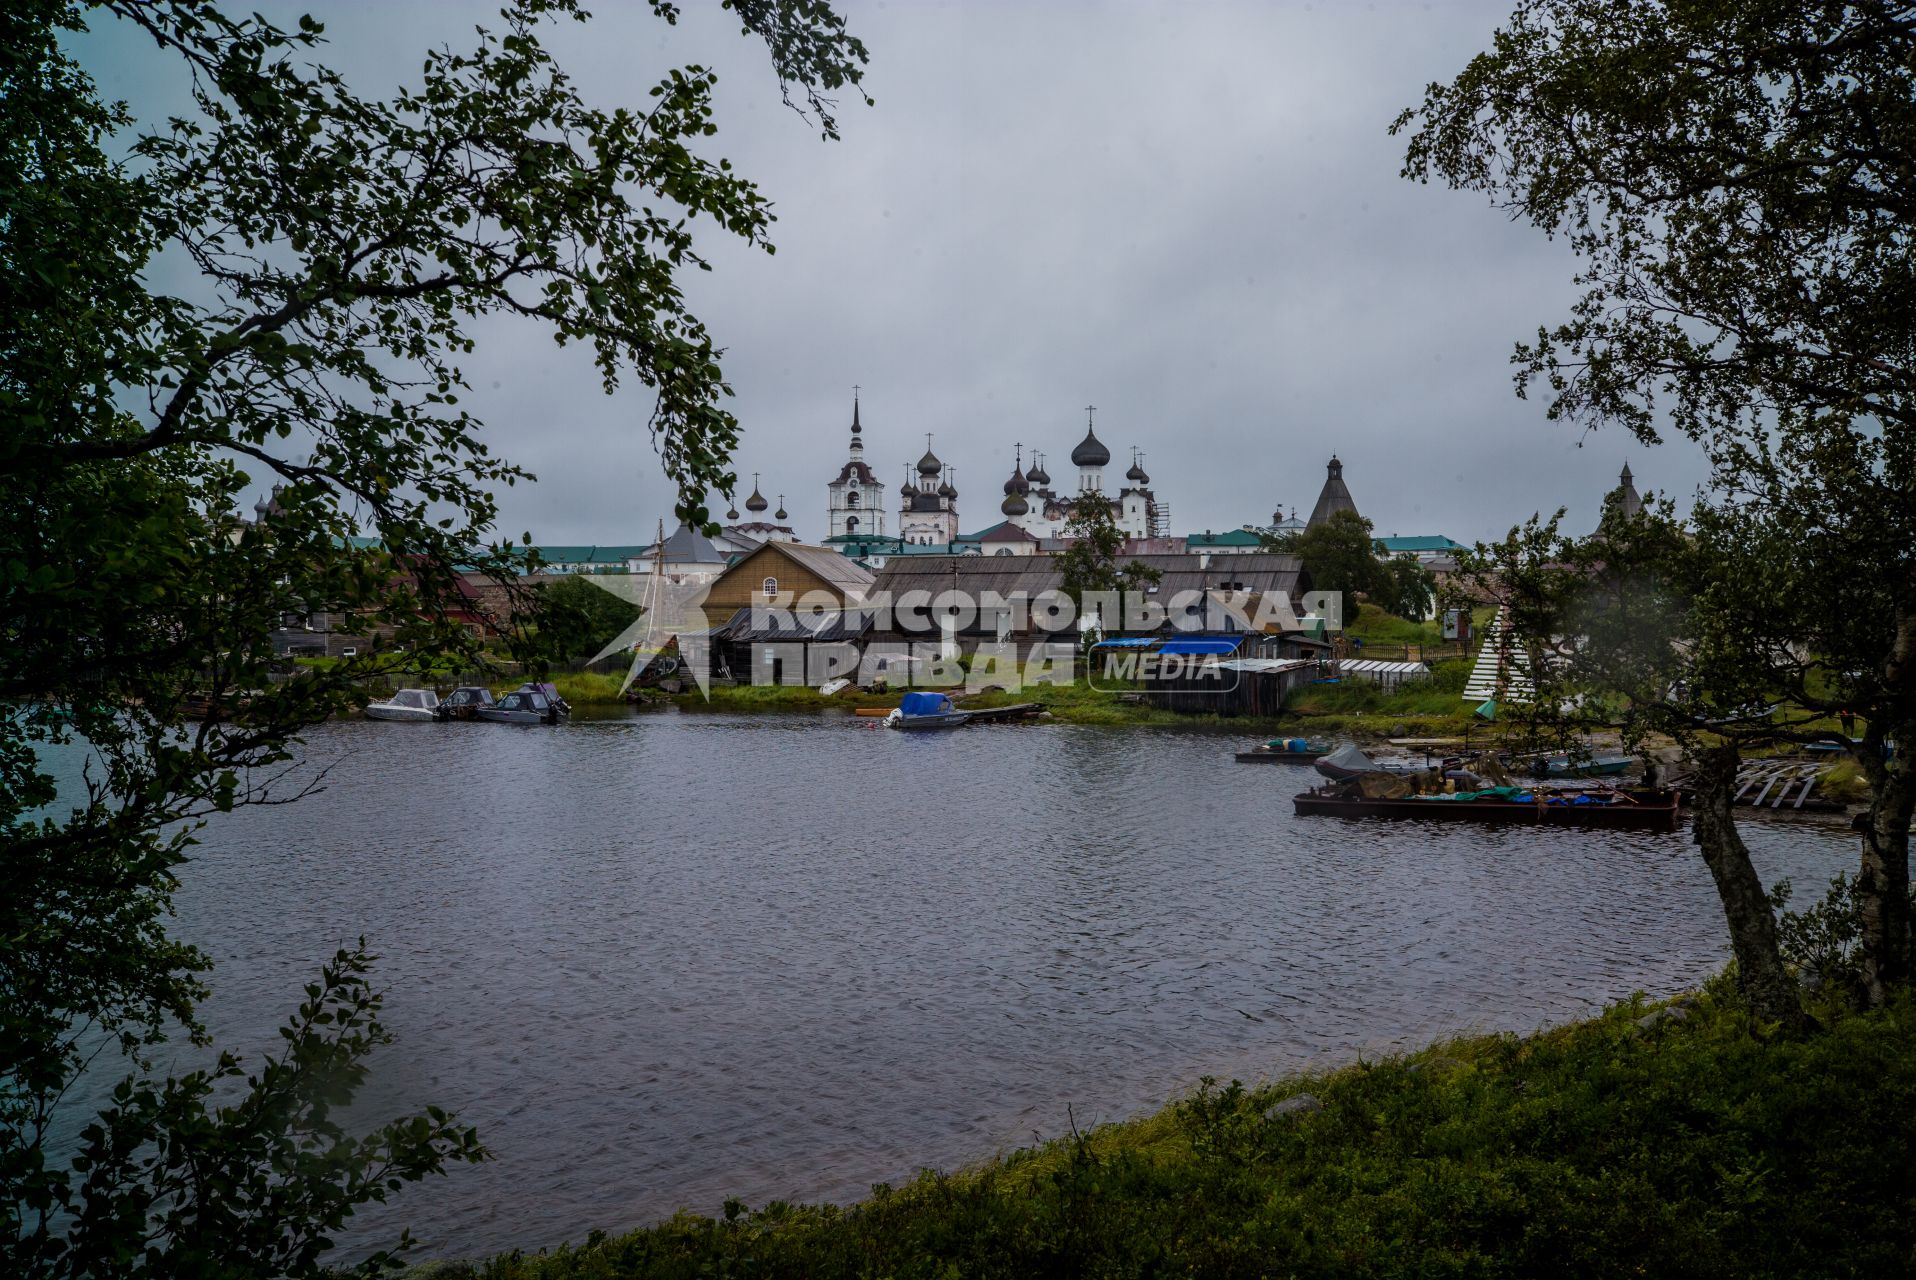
(1655, 1139)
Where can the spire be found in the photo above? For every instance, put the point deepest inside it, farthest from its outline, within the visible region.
(1334, 497)
(1629, 503)
(858, 443)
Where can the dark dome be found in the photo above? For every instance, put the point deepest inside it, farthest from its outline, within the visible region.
(1014, 505)
(1017, 483)
(780, 513)
(757, 501)
(946, 491)
(1136, 473)
(1090, 451)
(907, 488)
(929, 464)
(1037, 474)
(732, 514)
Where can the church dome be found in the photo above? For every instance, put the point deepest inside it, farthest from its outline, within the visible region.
(929, 464)
(1014, 505)
(733, 513)
(1090, 451)
(756, 502)
(1017, 483)
(1136, 474)
(780, 513)
(1037, 474)
(946, 491)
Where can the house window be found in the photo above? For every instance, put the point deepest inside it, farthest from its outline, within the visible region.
(770, 588)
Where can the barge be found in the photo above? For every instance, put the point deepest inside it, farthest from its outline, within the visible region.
(1623, 810)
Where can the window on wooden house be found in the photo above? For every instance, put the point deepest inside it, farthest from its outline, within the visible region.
(770, 587)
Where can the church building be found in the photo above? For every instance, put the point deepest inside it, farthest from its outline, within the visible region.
(1032, 505)
(928, 505)
(855, 501)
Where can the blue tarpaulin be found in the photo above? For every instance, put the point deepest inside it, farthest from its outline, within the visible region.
(1129, 642)
(924, 704)
(1199, 646)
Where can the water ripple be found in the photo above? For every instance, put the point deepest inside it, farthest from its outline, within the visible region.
(665, 959)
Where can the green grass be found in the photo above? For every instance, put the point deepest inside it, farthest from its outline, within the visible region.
(1688, 1148)
(589, 688)
(1431, 708)
(1373, 626)
(1076, 704)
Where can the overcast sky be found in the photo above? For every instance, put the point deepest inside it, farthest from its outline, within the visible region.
(1188, 215)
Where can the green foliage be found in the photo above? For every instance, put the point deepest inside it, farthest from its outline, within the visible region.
(1824, 940)
(1733, 180)
(176, 1179)
(1608, 1148)
(331, 252)
(1405, 587)
(1341, 555)
(1090, 563)
(575, 619)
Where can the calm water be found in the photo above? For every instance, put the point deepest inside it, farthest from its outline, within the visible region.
(671, 958)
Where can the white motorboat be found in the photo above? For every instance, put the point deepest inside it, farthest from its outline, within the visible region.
(407, 704)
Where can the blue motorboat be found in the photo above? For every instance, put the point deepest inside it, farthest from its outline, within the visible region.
(926, 711)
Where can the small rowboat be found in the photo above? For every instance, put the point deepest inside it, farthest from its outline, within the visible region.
(1636, 810)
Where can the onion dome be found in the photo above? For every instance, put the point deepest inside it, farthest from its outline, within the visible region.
(1136, 474)
(756, 502)
(1017, 483)
(907, 489)
(946, 491)
(1014, 505)
(733, 513)
(260, 508)
(780, 513)
(1037, 474)
(929, 464)
(1090, 451)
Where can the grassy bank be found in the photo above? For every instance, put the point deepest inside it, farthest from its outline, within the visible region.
(1664, 1143)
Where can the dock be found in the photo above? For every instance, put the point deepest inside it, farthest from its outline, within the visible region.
(993, 715)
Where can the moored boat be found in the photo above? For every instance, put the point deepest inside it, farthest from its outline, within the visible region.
(528, 704)
(465, 702)
(1349, 761)
(407, 704)
(926, 711)
(1639, 809)
(1285, 751)
(1567, 765)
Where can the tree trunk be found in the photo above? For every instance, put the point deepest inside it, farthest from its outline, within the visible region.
(1766, 984)
(1882, 884)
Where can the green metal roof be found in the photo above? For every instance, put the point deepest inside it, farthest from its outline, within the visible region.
(1424, 542)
